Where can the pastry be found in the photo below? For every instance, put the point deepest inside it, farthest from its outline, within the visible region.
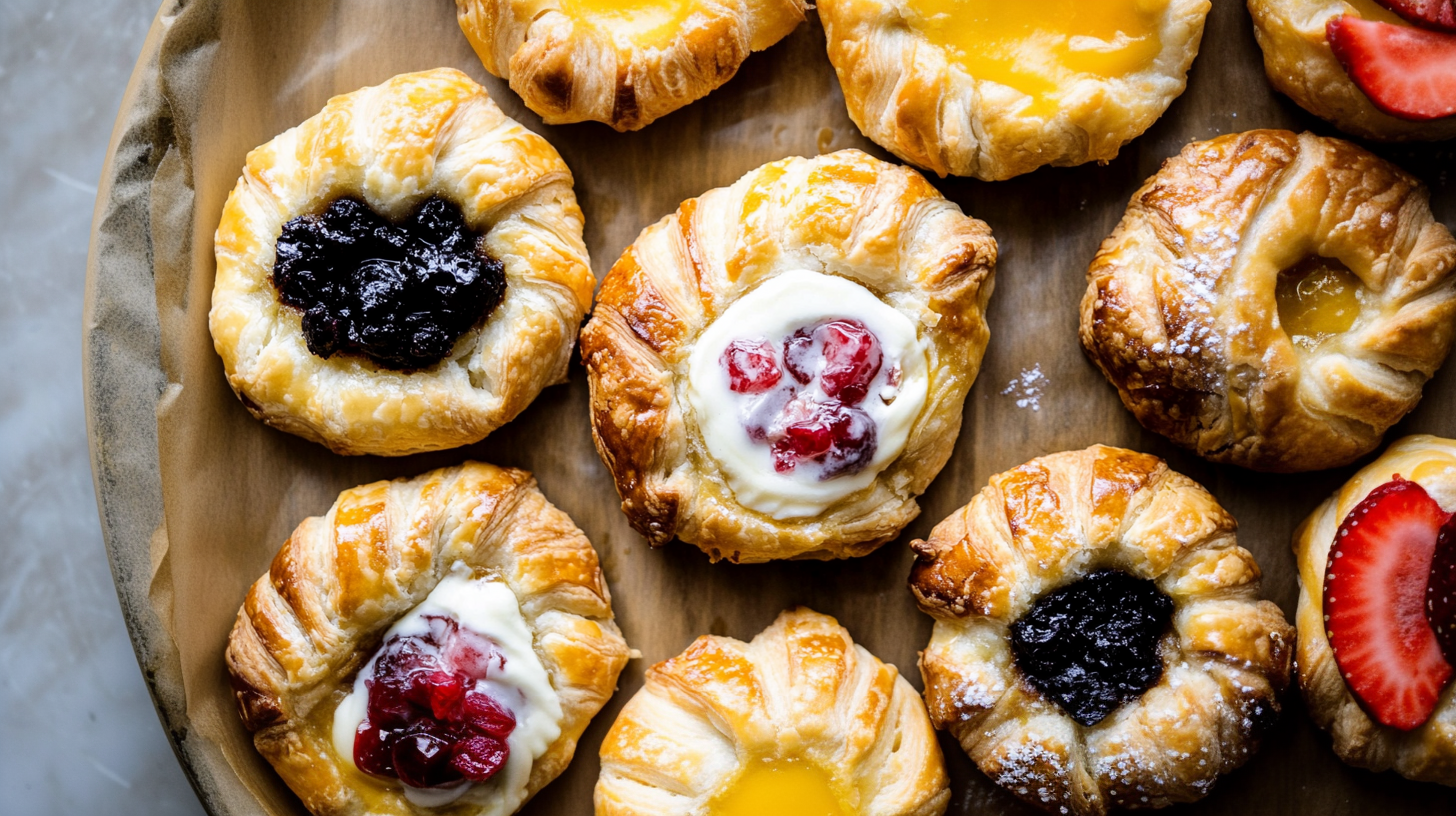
(434, 641)
(1273, 300)
(621, 62)
(992, 89)
(402, 272)
(1362, 66)
(777, 369)
(799, 720)
(1377, 612)
(1099, 640)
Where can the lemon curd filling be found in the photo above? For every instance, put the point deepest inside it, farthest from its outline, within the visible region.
(781, 787)
(646, 21)
(1035, 47)
(1318, 298)
(1371, 10)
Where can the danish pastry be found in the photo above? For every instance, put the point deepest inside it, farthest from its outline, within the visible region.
(992, 89)
(1098, 639)
(799, 720)
(778, 368)
(621, 62)
(1273, 300)
(402, 272)
(1377, 612)
(430, 641)
(1361, 66)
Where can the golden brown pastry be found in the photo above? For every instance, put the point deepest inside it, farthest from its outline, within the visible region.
(621, 62)
(1099, 639)
(799, 720)
(1273, 300)
(993, 89)
(778, 368)
(430, 641)
(1301, 64)
(402, 272)
(1407, 719)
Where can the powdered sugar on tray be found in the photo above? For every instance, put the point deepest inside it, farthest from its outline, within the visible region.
(1027, 387)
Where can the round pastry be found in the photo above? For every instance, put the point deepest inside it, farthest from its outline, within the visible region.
(434, 641)
(1362, 66)
(402, 272)
(1099, 639)
(1273, 300)
(799, 720)
(1377, 612)
(621, 62)
(992, 89)
(777, 369)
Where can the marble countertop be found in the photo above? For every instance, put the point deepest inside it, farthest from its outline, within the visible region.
(77, 730)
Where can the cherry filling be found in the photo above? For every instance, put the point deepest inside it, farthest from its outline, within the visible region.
(799, 422)
(427, 723)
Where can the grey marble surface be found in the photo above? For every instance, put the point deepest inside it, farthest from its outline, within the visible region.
(77, 730)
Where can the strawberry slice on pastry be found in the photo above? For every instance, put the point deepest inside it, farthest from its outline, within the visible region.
(1409, 73)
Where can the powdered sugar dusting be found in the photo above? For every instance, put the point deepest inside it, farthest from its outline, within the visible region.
(1027, 387)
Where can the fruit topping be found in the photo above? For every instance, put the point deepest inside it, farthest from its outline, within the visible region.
(1093, 645)
(753, 366)
(1441, 591)
(1375, 604)
(1438, 14)
(845, 355)
(839, 437)
(1409, 73)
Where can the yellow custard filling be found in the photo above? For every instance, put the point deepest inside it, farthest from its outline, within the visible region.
(1037, 46)
(782, 787)
(1371, 10)
(1318, 298)
(650, 22)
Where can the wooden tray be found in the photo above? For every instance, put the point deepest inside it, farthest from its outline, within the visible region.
(195, 496)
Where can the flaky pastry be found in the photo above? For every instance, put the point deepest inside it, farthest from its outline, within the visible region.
(1219, 659)
(375, 165)
(621, 62)
(800, 719)
(529, 581)
(992, 89)
(1273, 300)
(844, 297)
(1427, 752)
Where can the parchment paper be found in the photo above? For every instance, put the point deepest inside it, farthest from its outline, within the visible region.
(226, 75)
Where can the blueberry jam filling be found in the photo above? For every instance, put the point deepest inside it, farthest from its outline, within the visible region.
(428, 723)
(397, 294)
(1093, 645)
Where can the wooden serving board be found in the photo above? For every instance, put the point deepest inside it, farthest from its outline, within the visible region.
(196, 496)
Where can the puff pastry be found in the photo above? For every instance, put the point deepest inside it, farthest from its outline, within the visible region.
(796, 248)
(1273, 300)
(621, 62)
(393, 147)
(961, 87)
(1427, 752)
(1048, 525)
(312, 622)
(1300, 65)
(800, 719)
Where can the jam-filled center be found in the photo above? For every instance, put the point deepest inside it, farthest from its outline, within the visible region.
(1093, 645)
(400, 294)
(1034, 47)
(1317, 298)
(783, 787)
(647, 21)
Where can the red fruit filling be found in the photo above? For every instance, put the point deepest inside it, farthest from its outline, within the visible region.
(1441, 591)
(1375, 603)
(1440, 14)
(426, 723)
(752, 366)
(844, 353)
(1409, 73)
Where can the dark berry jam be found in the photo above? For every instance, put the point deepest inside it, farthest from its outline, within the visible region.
(428, 724)
(1093, 645)
(397, 294)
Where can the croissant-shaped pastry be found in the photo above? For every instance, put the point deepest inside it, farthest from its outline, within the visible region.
(1099, 639)
(778, 368)
(402, 272)
(621, 62)
(798, 720)
(1273, 300)
(442, 639)
(994, 89)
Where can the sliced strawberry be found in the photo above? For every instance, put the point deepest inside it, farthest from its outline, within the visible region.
(1439, 14)
(1409, 73)
(1374, 598)
(1441, 591)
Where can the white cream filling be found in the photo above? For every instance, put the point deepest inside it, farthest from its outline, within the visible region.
(775, 310)
(487, 608)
